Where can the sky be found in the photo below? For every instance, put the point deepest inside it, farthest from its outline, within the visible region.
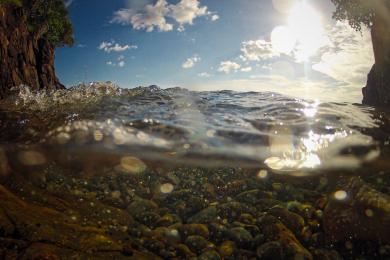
(293, 47)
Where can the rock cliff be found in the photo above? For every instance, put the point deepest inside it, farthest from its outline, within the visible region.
(377, 90)
(27, 56)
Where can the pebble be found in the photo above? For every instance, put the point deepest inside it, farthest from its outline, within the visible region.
(197, 244)
(240, 236)
(227, 248)
(270, 250)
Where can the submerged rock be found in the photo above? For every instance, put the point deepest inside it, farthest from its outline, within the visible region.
(358, 211)
(270, 250)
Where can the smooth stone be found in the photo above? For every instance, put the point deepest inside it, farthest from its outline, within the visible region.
(227, 248)
(198, 244)
(252, 196)
(168, 220)
(184, 251)
(218, 232)
(290, 219)
(194, 229)
(240, 236)
(141, 205)
(148, 218)
(205, 216)
(232, 210)
(209, 255)
(270, 250)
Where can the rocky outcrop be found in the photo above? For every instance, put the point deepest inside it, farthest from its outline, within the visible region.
(377, 90)
(26, 57)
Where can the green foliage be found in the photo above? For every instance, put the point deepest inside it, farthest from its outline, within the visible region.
(52, 15)
(358, 12)
(49, 17)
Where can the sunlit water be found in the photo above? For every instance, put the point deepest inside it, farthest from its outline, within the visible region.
(93, 131)
(204, 128)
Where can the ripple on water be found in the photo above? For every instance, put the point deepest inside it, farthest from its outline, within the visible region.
(286, 134)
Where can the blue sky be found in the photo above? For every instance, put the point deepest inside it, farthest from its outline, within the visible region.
(244, 45)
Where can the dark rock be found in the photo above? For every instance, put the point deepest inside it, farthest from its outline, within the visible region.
(323, 254)
(291, 220)
(240, 236)
(209, 255)
(184, 251)
(140, 206)
(168, 220)
(207, 215)
(270, 250)
(232, 210)
(148, 218)
(364, 213)
(198, 244)
(275, 230)
(227, 248)
(194, 229)
(377, 90)
(217, 231)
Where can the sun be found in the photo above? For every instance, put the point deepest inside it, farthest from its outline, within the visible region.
(304, 33)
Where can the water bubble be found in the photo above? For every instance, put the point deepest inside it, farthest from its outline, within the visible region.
(262, 174)
(210, 133)
(119, 137)
(98, 136)
(369, 213)
(132, 164)
(166, 188)
(31, 158)
(340, 195)
(174, 232)
(63, 138)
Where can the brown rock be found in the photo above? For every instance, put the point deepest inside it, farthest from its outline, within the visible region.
(19, 44)
(364, 213)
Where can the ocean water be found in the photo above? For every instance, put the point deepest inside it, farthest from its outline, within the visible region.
(97, 171)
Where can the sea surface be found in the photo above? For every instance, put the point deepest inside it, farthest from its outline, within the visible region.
(177, 174)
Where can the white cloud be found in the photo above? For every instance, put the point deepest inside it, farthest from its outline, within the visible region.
(349, 56)
(228, 67)
(257, 50)
(321, 90)
(146, 18)
(214, 17)
(149, 17)
(111, 46)
(190, 62)
(204, 75)
(121, 62)
(246, 69)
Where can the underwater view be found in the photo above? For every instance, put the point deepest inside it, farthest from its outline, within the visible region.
(268, 152)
